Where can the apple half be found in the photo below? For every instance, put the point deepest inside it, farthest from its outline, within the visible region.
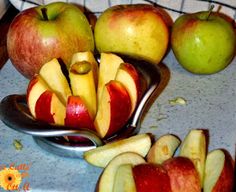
(219, 172)
(163, 149)
(101, 156)
(194, 147)
(113, 110)
(183, 175)
(107, 178)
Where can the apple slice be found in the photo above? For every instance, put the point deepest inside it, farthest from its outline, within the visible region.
(124, 180)
(183, 175)
(35, 88)
(52, 74)
(163, 149)
(129, 77)
(195, 148)
(219, 172)
(107, 179)
(113, 110)
(50, 109)
(82, 84)
(109, 64)
(151, 177)
(101, 156)
(87, 56)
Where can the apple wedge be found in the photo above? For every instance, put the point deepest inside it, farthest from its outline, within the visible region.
(82, 85)
(87, 56)
(129, 77)
(163, 149)
(107, 178)
(183, 175)
(219, 172)
(124, 180)
(113, 110)
(150, 177)
(50, 109)
(101, 156)
(195, 148)
(109, 64)
(52, 74)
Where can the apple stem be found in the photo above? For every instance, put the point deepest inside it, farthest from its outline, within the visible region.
(210, 11)
(44, 13)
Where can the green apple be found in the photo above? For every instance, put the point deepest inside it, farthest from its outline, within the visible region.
(137, 30)
(203, 42)
(39, 34)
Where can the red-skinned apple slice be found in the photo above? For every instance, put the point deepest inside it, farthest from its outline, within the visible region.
(124, 180)
(151, 178)
(183, 175)
(109, 64)
(50, 109)
(163, 149)
(113, 110)
(101, 156)
(52, 74)
(194, 147)
(107, 179)
(129, 77)
(219, 172)
(82, 84)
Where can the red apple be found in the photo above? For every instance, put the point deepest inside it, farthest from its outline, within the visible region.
(183, 175)
(38, 34)
(151, 178)
(113, 110)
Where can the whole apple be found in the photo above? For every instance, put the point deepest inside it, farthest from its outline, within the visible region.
(36, 35)
(138, 30)
(203, 42)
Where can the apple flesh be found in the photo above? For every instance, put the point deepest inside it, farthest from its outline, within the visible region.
(151, 178)
(107, 179)
(203, 42)
(101, 156)
(138, 30)
(183, 175)
(219, 172)
(113, 110)
(35, 38)
(163, 149)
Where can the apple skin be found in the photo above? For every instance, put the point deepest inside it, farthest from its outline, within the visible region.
(33, 41)
(203, 46)
(137, 30)
(183, 175)
(150, 177)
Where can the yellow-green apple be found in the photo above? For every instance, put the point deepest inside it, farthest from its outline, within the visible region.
(109, 64)
(87, 56)
(38, 34)
(130, 78)
(163, 148)
(83, 85)
(101, 156)
(52, 74)
(124, 180)
(151, 177)
(194, 147)
(183, 175)
(113, 110)
(107, 178)
(219, 172)
(203, 42)
(43, 103)
(137, 30)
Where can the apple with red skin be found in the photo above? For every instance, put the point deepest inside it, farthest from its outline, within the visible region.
(39, 34)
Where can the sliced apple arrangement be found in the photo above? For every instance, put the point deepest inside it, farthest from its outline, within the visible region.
(100, 97)
(136, 164)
